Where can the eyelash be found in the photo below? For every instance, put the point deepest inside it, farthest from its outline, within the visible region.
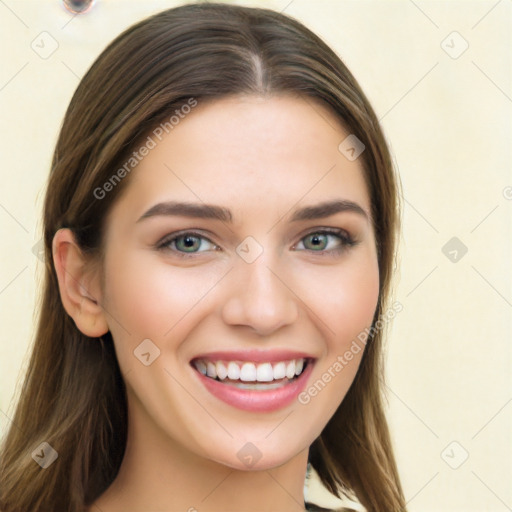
(346, 242)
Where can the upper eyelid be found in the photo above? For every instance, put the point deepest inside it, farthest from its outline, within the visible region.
(172, 236)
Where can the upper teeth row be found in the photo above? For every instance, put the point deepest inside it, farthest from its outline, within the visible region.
(250, 372)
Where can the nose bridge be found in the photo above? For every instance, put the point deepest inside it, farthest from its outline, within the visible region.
(259, 297)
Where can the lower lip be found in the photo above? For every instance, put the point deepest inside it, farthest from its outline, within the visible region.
(257, 401)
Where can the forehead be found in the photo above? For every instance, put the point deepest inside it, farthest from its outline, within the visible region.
(248, 152)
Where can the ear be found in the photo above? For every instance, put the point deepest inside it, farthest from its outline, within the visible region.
(80, 291)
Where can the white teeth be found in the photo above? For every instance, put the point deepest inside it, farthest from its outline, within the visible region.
(201, 366)
(264, 373)
(210, 370)
(299, 365)
(250, 372)
(280, 371)
(222, 371)
(290, 370)
(233, 371)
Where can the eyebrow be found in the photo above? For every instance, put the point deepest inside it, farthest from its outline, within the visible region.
(210, 211)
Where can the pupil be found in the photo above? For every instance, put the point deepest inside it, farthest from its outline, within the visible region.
(189, 242)
(317, 240)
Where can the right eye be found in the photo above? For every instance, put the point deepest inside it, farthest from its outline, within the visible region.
(186, 243)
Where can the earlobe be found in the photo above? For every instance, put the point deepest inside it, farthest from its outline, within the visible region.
(80, 291)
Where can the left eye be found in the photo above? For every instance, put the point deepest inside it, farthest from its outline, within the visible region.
(321, 241)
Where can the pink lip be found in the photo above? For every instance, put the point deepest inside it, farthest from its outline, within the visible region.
(254, 356)
(257, 401)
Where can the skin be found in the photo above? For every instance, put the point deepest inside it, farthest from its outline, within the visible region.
(262, 158)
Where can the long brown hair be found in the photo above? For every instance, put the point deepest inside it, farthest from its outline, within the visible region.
(73, 396)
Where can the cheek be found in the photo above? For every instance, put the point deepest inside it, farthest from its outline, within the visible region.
(357, 296)
(343, 299)
(149, 299)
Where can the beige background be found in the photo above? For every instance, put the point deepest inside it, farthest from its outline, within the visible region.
(449, 124)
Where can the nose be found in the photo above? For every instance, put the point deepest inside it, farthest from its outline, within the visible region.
(260, 298)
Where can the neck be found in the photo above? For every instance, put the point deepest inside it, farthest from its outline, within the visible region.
(157, 473)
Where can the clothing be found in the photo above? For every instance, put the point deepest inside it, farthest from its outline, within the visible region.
(311, 507)
(322, 500)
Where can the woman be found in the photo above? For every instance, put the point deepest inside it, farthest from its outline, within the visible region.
(219, 228)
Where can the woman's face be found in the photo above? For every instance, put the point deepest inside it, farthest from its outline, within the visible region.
(261, 279)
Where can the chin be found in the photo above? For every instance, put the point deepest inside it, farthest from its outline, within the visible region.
(259, 456)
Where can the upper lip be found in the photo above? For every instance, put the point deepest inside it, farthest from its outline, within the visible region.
(255, 356)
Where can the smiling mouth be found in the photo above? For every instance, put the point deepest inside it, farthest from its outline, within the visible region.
(252, 376)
